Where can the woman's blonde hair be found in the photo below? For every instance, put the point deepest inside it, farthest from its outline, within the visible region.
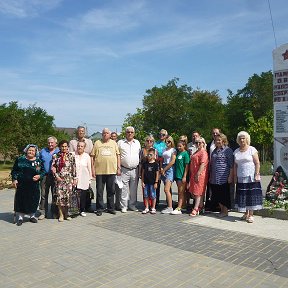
(246, 135)
(201, 139)
(150, 137)
(169, 138)
(224, 139)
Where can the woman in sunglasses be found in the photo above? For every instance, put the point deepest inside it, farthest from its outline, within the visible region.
(167, 172)
(198, 175)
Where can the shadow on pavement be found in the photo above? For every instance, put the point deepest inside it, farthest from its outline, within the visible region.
(7, 217)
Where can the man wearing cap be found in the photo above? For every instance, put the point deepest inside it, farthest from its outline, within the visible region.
(105, 165)
(129, 154)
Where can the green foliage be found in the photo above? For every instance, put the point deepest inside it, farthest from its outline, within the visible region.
(266, 168)
(256, 97)
(178, 109)
(261, 131)
(20, 126)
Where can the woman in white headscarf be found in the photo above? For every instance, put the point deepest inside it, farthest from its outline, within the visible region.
(26, 173)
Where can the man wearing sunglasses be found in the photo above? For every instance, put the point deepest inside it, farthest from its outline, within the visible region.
(129, 158)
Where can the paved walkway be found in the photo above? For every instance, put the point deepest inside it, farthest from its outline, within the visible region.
(135, 250)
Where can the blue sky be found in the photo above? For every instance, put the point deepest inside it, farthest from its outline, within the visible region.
(90, 61)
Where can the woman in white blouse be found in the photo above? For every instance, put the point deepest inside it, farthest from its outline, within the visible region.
(247, 176)
(84, 174)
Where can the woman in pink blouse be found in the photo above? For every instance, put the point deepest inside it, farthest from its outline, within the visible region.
(198, 175)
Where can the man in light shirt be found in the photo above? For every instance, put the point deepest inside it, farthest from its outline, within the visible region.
(129, 157)
(80, 134)
(192, 147)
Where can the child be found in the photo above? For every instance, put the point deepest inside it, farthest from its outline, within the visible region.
(181, 170)
(150, 177)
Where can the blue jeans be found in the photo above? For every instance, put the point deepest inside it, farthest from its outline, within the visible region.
(149, 191)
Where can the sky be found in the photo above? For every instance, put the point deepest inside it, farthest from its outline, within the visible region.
(90, 62)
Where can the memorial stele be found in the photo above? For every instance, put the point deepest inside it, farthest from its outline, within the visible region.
(280, 100)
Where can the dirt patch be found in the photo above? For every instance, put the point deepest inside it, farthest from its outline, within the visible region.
(4, 174)
(5, 179)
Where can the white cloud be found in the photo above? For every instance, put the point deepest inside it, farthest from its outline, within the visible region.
(119, 17)
(27, 8)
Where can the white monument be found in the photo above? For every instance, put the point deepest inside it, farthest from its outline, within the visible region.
(280, 99)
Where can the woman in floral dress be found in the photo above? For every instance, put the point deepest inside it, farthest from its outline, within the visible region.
(26, 173)
(64, 169)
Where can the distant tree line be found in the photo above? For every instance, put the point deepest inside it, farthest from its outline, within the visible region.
(181, 110)
(20, 126)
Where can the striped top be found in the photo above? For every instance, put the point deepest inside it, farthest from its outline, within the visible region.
(220, 164)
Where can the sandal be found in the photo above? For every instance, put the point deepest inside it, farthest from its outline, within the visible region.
(194, 212)
(250, 219)
(145, 211)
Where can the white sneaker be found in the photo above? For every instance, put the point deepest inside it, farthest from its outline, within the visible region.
(145, 211)
(167, 210)
(41, 217)
(177, 211)
(83, 214)
(124, 210)
(153, 211)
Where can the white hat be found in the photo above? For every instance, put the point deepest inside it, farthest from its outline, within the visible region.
(118, 181)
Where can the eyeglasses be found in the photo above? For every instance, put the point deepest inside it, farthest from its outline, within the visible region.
(161, 134)
(129, 132)
(168, 142)
(149, 141)
(197, 142)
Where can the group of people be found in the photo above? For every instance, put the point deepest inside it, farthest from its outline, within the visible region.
(202, 172)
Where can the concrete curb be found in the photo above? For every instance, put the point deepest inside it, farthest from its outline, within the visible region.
(276, 213)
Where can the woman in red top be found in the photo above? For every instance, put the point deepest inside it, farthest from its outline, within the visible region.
(198, 175)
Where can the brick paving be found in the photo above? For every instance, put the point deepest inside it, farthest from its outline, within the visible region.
(135, 250)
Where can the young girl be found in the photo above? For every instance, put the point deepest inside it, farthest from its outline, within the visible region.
(181, 170)
(167, 173)
(150, 177)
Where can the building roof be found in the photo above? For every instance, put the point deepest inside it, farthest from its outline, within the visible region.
(70, 131)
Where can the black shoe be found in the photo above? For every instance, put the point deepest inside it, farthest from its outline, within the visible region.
(19, 222)
(111, 211)
(33, 220)
(99, 213)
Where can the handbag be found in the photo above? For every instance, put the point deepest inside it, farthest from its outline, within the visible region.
(91, 192)
(74, 205)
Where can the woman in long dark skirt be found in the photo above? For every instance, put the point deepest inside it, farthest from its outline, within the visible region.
(26, 174)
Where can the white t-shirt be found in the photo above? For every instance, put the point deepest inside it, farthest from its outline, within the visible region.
(167, 155)
(245, 163)
(83, 170)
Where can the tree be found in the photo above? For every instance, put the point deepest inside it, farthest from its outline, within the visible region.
(261, 132)
(137, 121)
(178, 109)
(167, 107)
(256, 97)
(21, 126)
(206, 112)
